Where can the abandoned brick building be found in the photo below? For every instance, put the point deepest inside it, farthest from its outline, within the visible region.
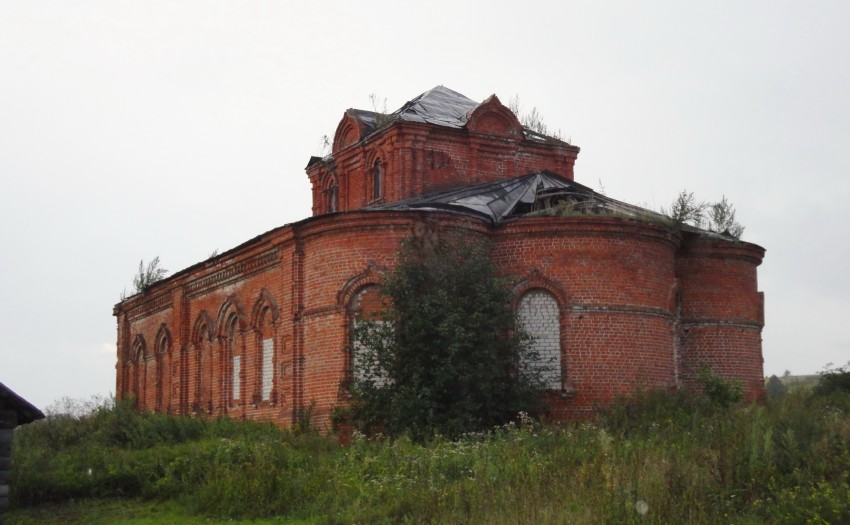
(612, 294)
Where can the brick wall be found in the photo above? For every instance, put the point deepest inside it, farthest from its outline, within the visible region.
(636, 307)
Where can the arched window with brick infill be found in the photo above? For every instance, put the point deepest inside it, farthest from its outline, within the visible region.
(366, 304)
(266, 357)
(233, 350)
(540, 317)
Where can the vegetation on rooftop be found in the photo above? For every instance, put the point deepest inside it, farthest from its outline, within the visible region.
(148, 274)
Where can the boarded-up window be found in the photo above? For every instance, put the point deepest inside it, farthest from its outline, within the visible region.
(540, 317)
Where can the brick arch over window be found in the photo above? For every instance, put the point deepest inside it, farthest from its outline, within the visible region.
(203, 328)
(539, 314)
(232, 305)
(163, 339)
(138, 350)
(537, 280)
(370, 276)
(263, 302)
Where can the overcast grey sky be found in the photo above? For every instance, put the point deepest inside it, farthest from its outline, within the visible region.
(173, 128)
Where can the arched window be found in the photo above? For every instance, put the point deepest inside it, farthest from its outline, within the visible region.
(540, 317)
(365, 304)
(137, 387)
(163, 346)
(377, 180)
(267, 355)
(232, 328)
(200, 381)
(332, 199)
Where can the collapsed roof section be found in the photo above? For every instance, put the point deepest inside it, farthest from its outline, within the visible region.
(537, 194)
(542, 193)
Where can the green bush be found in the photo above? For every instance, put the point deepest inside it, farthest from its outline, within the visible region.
(447, 357)
(718, 391)
(834, 380)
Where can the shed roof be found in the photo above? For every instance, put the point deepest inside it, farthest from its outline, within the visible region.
(26, 412)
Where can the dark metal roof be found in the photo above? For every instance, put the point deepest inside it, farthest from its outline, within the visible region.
(496, 202)
(440, 106)
(26, 412)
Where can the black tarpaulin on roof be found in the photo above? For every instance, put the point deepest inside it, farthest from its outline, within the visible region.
(440, 106)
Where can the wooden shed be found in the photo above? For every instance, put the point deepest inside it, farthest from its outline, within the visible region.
(14, 411)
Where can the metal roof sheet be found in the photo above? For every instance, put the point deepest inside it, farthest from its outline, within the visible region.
(496, 202)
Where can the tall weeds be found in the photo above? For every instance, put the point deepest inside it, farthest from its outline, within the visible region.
(655, 458)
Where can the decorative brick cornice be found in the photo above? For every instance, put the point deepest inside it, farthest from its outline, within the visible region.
(149, 306)
(234, 272)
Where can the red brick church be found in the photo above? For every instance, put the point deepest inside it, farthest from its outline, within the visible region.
(614, 297)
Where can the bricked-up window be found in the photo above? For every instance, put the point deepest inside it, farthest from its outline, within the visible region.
(235, 360)
(366, 304)
(268, 368)
(377, 181)
(267, 357)
(540, 316)
(237, 376)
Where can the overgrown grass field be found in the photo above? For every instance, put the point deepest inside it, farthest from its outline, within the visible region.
(659, 458)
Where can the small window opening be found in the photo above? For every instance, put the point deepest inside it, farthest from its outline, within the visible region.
(377, 181)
